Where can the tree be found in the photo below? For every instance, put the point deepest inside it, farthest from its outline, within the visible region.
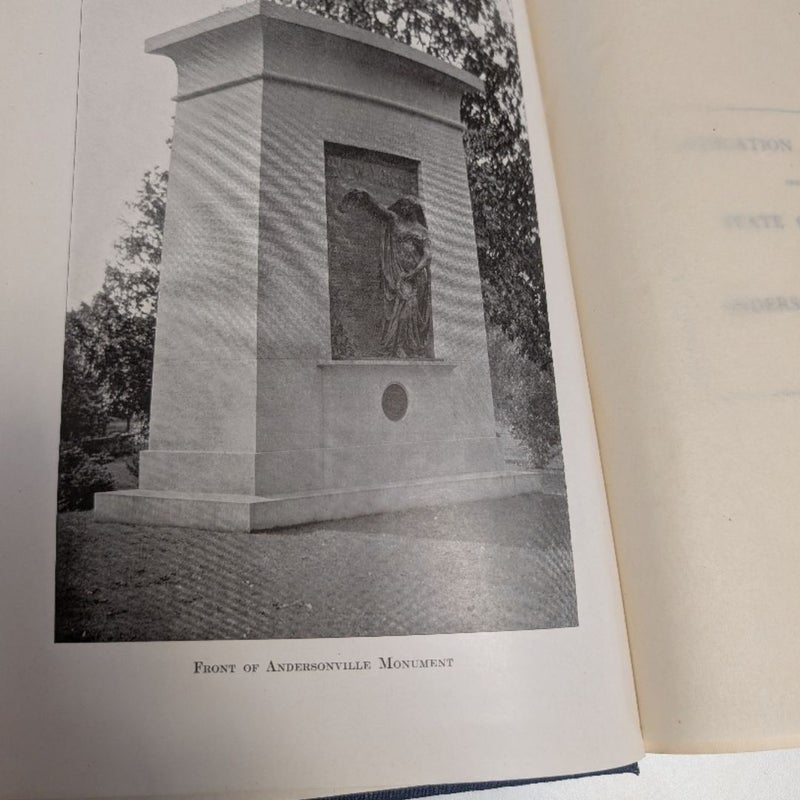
(524, 399)
(109, 341)
(83, 410)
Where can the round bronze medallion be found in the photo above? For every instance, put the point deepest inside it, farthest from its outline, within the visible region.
(394, 402)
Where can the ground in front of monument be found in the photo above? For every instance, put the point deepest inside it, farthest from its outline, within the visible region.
(489, 565)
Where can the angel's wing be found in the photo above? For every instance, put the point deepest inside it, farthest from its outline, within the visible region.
(363, 200)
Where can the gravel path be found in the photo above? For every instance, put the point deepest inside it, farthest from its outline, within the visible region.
(483, 566)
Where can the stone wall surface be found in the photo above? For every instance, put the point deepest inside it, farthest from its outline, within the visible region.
(249, 398)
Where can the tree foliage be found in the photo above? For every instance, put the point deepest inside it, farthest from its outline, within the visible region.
(83, 411)
(108, 351)
(79, 477)
(525, 400)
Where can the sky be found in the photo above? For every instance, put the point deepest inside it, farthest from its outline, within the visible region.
(124, 116)
(124, 120)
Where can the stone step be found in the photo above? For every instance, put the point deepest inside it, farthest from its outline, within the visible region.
(229, 512)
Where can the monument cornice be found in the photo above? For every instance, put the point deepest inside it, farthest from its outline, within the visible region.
(278, 77)
(263, 9)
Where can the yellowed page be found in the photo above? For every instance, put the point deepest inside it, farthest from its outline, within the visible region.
(676, 132)
(89, 719)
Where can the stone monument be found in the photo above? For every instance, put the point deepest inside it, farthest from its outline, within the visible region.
(321, 346)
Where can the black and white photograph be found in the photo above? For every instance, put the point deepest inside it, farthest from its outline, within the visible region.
(308, 386)
(392, 402)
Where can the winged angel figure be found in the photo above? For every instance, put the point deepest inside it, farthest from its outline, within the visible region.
(406, 331)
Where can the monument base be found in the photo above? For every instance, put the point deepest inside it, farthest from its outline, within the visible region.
(243, 513)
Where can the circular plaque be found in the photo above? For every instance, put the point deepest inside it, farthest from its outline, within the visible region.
(394, 402)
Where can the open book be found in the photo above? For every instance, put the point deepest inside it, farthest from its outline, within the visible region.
(375, 471)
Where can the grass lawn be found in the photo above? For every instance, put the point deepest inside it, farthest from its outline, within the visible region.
(489, 565)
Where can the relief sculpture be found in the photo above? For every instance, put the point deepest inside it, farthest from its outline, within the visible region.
(405, 276)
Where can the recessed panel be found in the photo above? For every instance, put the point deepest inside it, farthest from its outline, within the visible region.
(378, 256)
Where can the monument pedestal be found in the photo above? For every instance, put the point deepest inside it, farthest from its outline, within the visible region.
(320, 346)
(243, 513)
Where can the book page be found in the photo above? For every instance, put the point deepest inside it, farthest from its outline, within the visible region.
(443, 639)
(676, 132)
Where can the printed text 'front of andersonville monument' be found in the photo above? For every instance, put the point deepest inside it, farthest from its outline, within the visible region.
(320, 346)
